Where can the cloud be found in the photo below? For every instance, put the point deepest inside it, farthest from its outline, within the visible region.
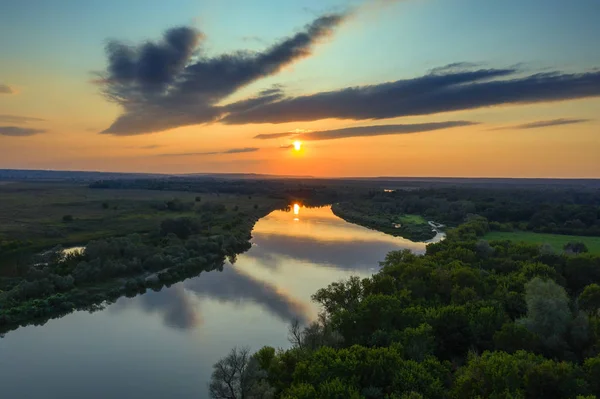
(540, 124)
(368, 131)
(442, 90)
(172, 83)
(231, 151)
(270, 136)
(148, 147)
(5, 89)
(18, 119)
(15, 131)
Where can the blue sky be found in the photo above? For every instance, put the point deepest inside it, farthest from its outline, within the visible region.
(409, 35)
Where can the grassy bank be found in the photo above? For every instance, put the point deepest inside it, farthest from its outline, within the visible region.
(557, 241)
(413, 227)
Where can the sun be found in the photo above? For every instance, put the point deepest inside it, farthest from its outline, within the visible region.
(297, 145)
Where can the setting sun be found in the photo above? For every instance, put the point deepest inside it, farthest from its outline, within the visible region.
(297, 145)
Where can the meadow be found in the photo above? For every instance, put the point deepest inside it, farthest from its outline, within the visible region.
(38, 215)
(557, 241)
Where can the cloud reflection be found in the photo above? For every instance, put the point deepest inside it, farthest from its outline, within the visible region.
(174, 305)
(357, 255)
(232, 285)
(179, 307)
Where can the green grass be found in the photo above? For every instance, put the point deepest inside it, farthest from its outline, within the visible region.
(32, 212)
(557, 241)
(412, 219)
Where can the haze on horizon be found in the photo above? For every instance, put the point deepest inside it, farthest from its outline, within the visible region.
(319, 87)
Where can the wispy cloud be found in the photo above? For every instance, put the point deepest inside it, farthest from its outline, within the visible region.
(541, 124)
(15, 131)
(270, 136)
(368, 131)
(161, 85)
(225, 152)
(18, 119)
(443, 90)
(6, 89)
(148, 147)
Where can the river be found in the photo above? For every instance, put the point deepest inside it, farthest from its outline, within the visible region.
(163, 344)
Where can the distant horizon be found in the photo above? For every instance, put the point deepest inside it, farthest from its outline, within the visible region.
(298, 176)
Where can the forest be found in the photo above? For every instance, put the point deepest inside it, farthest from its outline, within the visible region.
(469, 319)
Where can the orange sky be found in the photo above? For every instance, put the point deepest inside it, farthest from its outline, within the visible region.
(560, 151)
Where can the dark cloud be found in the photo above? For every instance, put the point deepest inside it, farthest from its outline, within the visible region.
(367, 131)
(15, 131)
(444, 90)
(269, 136)
(265, 97)
(540, 124)
(5, 89)
(240, 150)
(172, 83)
(18, 119)
(149, 147)
(231, 151)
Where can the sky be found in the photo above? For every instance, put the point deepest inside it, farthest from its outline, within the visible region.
(439, 88)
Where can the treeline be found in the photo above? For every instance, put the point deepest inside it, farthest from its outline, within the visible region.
(575, 212)
(469, 319)
(55, 283)
(310, 192)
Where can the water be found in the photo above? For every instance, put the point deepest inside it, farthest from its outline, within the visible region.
(163, 344)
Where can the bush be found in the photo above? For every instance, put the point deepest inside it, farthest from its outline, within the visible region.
(68, 218)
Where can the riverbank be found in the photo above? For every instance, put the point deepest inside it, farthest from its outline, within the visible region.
(412, 227)
(53, 284)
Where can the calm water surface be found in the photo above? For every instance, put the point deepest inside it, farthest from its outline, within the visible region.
(163, 344)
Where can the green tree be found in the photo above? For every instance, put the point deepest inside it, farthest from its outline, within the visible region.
(575, 247)
(589, 300)
(239, 376)
(513, 337)
(548, 313)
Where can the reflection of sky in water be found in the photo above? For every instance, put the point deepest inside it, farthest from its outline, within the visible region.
(163, 344)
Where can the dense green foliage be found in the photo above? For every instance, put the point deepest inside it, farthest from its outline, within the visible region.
(55, 283)
(469, 319)
(575, 212)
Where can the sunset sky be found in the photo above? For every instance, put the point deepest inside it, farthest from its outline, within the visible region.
(371, 88)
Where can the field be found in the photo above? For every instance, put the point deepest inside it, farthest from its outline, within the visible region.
(32, 213)
(413, 219)
(557, 241)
